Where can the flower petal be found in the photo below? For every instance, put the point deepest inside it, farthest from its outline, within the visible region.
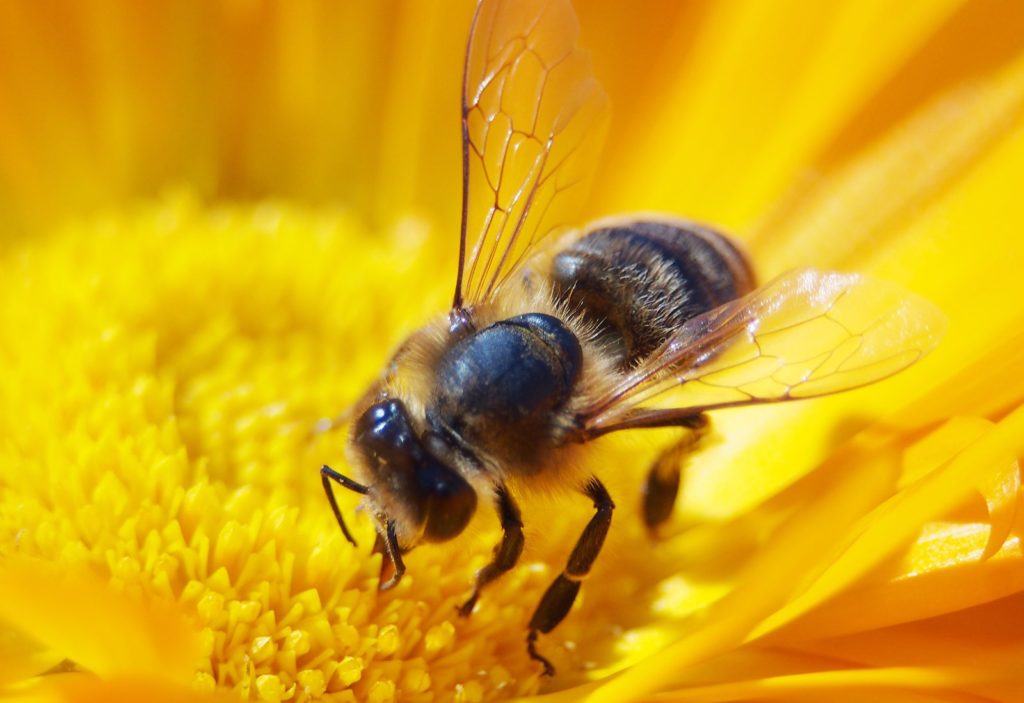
(75, 614)
(749, 111)
(936, 253)
(797, 551)
(118, 689)
(897, 522)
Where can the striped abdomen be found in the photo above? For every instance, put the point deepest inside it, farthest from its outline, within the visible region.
(639, 281)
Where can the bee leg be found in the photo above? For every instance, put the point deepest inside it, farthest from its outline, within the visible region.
(506, 554)
(556, 601)
(662, 485)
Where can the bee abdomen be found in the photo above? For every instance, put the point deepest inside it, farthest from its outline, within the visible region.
(637, 282)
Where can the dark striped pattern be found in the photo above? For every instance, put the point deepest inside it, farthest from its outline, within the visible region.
(639, 281)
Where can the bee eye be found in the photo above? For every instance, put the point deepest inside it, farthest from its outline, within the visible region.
(386, 436)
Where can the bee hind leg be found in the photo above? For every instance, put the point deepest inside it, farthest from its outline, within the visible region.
(506, 554)
(662, 485)
(558, 599)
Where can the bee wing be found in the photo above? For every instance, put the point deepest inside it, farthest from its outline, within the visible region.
(532, 120)
(807, 333)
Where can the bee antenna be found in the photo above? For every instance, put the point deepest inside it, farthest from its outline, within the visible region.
(327, 474)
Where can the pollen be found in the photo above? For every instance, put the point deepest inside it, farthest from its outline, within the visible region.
(439, 637)
(188, 354)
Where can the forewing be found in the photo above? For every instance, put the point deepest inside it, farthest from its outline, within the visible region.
(806, 334)
(533, 119)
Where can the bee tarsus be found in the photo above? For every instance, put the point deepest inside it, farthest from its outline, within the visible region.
(561, 594)
(506, 553)
(531, 649)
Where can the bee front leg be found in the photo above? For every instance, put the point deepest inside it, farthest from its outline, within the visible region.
(662, 485)
(561, 594)
(506, 554)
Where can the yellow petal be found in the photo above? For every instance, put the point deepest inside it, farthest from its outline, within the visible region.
(749, 110)
(21, 657)
(879, 683)
(118, 689)
(797, 549)
(944, 571)
(1001, 488)
(897, 521)
(937, 254)
(984, 640)
(76, 615)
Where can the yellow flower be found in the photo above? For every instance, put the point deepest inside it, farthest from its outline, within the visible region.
(166, 352)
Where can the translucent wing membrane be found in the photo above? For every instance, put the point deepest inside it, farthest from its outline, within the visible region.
(805, 334)
(532, 122)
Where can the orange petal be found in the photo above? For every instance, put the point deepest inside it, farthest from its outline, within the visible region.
(747, 110)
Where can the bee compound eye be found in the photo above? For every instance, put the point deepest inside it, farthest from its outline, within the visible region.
(385, 437)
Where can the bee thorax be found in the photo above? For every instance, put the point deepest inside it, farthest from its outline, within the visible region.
(498, 388)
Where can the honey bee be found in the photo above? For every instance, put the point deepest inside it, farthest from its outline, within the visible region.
(557, 337)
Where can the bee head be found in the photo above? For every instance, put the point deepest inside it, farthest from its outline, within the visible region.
(414, 495)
